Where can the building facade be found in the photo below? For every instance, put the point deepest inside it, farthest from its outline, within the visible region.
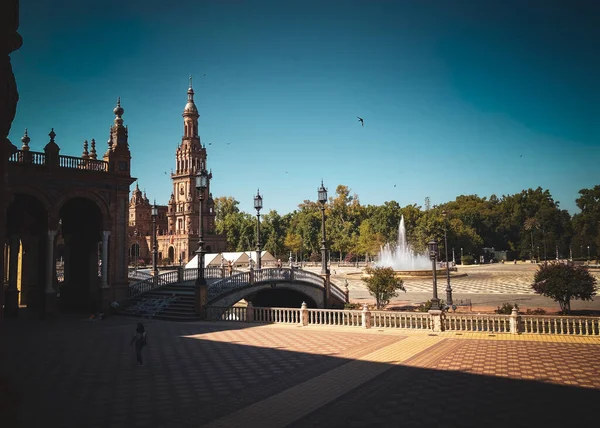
(178, 222)
(67, 211)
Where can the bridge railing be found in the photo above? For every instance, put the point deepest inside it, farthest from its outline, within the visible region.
(152, 283)
(136, 274)
(228, 284)
(312, 278)
(338, 293)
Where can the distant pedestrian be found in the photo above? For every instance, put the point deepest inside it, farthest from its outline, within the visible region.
(140, 340)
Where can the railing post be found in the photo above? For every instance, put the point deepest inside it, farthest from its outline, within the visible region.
(250, 312)
(180, 274)
(251, 276)
(346, 292)
(366, 317)
(514, 321)
(291, 273)
(436, 320)
(304, 314)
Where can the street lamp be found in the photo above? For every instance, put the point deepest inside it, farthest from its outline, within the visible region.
(154, 214)
(588, 254)
(448, 287)
(258, 206)
(461, 256)
(201, 185)
(433, 248)
(322, 195)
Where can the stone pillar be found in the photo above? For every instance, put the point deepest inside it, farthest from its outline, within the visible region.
(327, 288)
(514, 321)
(201, 296)
(366, 317)
(105, 235)
(304, 314)
(251, 275)
(12, 293)
(51, 306)
(250, 312)
(436, 320)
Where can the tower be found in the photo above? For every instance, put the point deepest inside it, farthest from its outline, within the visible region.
(190, 158)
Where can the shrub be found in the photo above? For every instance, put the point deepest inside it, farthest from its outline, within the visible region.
(352, 306)
(467, 260)
(506, 308)
(426, 307)
(383, 284)
(536, 311)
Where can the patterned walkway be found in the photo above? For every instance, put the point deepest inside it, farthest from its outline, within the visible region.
(72, 373)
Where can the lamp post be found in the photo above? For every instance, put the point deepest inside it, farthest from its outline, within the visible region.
(322, 195)
(461, 256)
(588, 254)
(433, 247)
(201, 185)
(258, 206)
(448, 287)
(154, 243)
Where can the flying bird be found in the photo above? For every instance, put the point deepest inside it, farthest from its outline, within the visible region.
(394, 185)
(361, 120)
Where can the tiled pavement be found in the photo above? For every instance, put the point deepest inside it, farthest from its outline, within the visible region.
(78, 373)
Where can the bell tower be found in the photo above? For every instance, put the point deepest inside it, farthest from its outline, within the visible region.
(190, 158)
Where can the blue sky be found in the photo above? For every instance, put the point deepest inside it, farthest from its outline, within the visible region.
(458, 97)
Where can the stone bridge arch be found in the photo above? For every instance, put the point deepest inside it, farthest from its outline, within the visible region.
(312, 294)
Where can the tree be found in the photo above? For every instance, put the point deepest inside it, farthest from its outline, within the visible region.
(383, 284)
(563, 283)
(530, 224)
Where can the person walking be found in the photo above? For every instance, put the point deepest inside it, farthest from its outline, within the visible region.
(139, 338)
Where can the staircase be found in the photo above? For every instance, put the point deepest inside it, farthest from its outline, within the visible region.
(173, 302)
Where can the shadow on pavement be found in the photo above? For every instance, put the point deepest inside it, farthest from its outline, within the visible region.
(80, 373)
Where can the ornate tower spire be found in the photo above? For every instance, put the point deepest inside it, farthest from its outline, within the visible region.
(190, 115)
(93, 154)
(25, 139)
(118, 154)
(85, 154)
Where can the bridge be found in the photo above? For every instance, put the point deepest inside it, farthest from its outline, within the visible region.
(265, 287)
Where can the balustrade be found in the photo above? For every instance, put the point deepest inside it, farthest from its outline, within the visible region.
(478, 322)
(580, 326)
(72, 162)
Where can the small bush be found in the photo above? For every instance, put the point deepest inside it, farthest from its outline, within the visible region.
(536, 311)
(467, 260)
(352, 306)
(426, 307)
(506, 308)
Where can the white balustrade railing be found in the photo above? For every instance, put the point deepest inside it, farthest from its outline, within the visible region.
(277, 315)
(485, 323)
(412, 320)
(580, 326)
(334, 317)
(477, 322)
(234, 313)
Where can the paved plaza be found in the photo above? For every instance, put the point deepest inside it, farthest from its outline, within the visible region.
(486, 285)
(73, 372)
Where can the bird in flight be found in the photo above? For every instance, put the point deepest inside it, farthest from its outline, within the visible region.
(394, 185)
(361, 120)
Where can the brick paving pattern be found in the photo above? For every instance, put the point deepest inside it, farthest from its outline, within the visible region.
(79, 373)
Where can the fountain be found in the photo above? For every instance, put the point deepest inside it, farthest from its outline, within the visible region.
(402, 257)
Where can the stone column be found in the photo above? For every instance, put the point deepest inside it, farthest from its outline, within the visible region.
(105, 235)
(366, 317)
(304, 314)
(436, 316)
(514, 321)
(12, 293)
(50, 267)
